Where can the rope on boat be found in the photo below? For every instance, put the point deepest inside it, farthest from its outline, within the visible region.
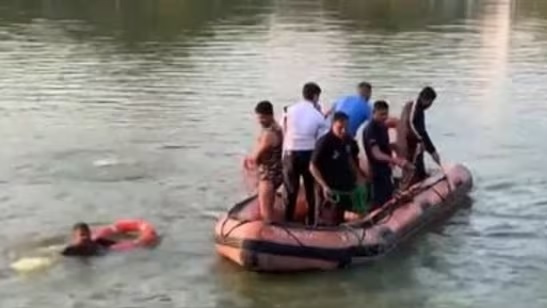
(397, 200)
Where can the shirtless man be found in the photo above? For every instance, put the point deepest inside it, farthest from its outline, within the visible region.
(413, 138)
(267, 157)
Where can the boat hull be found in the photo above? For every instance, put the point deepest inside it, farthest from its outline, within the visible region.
(243, 238)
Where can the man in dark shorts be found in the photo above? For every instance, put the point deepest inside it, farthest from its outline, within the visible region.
(379, 154)
(333, 166)
(83, 245)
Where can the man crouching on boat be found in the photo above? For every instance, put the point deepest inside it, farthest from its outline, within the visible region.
(267, 157)
(333, 167)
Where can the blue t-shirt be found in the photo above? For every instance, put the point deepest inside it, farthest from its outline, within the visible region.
(357, 109)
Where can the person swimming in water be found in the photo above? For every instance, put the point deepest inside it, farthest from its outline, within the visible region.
(83, 245)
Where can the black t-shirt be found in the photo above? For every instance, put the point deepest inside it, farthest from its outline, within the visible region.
(95, 248)
(332, 157)
(376, 134)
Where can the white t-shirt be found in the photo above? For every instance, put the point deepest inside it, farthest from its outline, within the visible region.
(305, 124)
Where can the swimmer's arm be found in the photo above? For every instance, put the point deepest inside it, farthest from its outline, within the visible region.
(69, 252)
(105, 242)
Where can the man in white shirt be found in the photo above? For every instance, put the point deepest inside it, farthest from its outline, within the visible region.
(303, 125)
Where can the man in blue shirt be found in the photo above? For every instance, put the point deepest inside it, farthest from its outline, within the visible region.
(356, 107)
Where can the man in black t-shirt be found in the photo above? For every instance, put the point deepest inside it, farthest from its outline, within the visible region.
(83, 245)
(379, 155)
(333, 165)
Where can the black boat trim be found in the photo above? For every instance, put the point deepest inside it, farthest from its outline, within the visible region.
(340, 255)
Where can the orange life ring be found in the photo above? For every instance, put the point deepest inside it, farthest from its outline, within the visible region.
(147, 234)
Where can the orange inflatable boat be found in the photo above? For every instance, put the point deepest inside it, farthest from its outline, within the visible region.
(243, 238)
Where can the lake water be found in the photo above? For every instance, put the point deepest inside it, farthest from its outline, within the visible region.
(143, 108)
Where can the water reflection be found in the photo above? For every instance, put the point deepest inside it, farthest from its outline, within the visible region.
(494, 51)
(127, 21)
(133, 21)
(391, 16)
(531, 8)
(377, 285)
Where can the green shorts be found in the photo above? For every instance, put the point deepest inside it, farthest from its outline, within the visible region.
(356, 200)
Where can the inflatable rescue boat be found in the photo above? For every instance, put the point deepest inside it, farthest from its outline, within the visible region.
(243, 238)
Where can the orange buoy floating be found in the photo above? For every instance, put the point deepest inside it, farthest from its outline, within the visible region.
(147, 235)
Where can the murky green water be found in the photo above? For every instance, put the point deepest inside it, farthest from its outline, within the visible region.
(142, 108)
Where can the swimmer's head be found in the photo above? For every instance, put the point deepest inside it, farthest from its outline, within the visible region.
(81, 233)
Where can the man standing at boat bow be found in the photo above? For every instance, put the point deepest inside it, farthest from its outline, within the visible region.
(413, 139)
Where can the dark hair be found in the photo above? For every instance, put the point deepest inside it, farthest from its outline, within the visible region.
(339, 116)
(264, 108)
(310, 90)
(428, 93)
(365, 84)
(381, 105)
(81, 226)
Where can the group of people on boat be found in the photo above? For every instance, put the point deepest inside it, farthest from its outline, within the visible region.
(320, 149)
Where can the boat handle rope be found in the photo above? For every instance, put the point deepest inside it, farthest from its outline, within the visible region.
(239, 224)
(289, 233)
(443, 199)
(231, 214)
(390, 206)
(360, 238)
(390, 209)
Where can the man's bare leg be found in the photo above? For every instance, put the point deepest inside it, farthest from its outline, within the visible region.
(266, 200)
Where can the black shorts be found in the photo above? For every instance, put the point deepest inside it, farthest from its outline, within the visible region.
(382, 189)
